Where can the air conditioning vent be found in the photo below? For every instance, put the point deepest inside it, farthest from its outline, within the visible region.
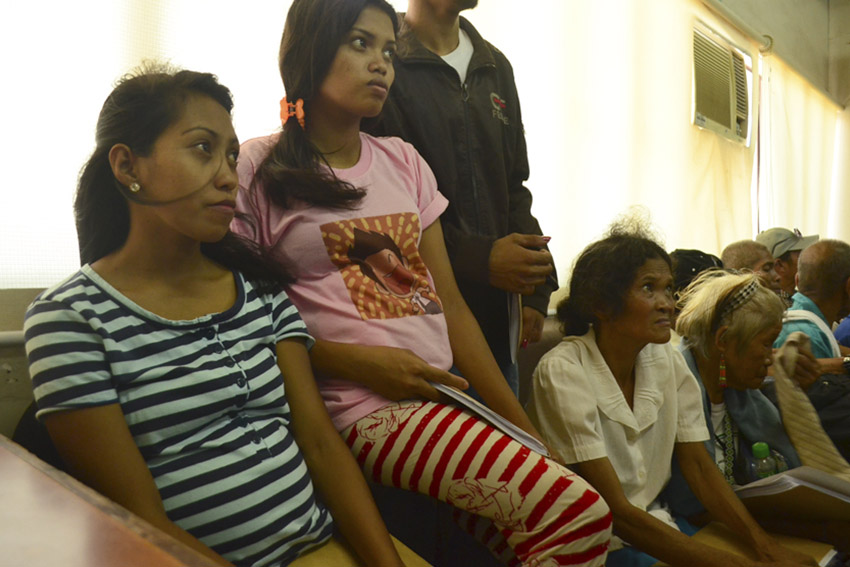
(722, 75)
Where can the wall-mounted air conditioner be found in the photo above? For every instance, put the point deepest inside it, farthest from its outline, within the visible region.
(722, 85)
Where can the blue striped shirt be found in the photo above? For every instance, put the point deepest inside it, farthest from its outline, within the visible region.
(204, 401)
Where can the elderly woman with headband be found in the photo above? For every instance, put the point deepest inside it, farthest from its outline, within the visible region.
(618, 401)
(728, 323)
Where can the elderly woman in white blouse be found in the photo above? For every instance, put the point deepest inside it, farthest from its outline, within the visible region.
(617, 401)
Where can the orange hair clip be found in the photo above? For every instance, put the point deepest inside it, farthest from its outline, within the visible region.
(288, 110)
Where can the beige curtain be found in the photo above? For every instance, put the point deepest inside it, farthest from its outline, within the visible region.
(606, 99)
(606, 89)
(838, 206)
(803, 174)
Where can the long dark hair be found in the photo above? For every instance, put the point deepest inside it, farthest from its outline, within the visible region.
(312, 35)
(138, 110)
(603, 274)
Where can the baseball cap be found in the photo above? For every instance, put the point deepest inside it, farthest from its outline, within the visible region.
(781, 240)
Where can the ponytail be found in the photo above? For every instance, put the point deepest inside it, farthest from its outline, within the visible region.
(573, 320)
(291, 172)
(255, 263)
(100, 210)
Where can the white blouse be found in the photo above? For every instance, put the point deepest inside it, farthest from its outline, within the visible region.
(578, 407)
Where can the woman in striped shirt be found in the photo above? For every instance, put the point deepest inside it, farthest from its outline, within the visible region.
(171, 371)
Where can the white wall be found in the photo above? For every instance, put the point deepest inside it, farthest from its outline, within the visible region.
(62, 59)
(605, 89)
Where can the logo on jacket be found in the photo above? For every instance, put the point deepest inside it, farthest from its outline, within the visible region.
(499, 107)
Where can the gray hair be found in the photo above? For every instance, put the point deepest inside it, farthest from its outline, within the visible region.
(705, 307)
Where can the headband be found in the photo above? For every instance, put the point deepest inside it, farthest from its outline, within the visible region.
(738, 298)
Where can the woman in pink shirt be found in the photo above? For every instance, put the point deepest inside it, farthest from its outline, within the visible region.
(356, 219)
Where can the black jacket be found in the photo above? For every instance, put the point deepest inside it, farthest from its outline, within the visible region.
(472, 137)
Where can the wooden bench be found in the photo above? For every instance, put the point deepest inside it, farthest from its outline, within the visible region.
(48, 518)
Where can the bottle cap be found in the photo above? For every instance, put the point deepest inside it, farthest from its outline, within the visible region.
(761, 450)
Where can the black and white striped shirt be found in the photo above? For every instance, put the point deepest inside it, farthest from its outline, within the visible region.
(204, 401)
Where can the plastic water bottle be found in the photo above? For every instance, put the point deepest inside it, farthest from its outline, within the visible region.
(763, 464)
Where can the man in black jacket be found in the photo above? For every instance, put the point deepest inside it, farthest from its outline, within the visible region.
(454, 98)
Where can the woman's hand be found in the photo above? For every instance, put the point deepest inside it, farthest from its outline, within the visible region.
(395, 373)
(532, 325)
(519, 262)
(399, 374)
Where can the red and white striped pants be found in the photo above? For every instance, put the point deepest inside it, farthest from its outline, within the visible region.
(546, 514)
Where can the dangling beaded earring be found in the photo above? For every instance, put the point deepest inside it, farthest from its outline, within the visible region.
(135, 187)
(722, 379)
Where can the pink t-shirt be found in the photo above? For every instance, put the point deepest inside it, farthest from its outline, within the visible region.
(360, 278)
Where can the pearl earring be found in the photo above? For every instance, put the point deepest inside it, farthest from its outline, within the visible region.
(135, 187)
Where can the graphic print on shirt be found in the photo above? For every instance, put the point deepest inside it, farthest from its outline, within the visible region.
(378, 259)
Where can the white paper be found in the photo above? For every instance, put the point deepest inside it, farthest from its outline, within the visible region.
(801, 476)
(493, 418)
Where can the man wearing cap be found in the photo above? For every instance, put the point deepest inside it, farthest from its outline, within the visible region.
(785, 247)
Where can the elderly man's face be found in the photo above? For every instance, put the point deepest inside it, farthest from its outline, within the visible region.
(787, 271)
(766, 272)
